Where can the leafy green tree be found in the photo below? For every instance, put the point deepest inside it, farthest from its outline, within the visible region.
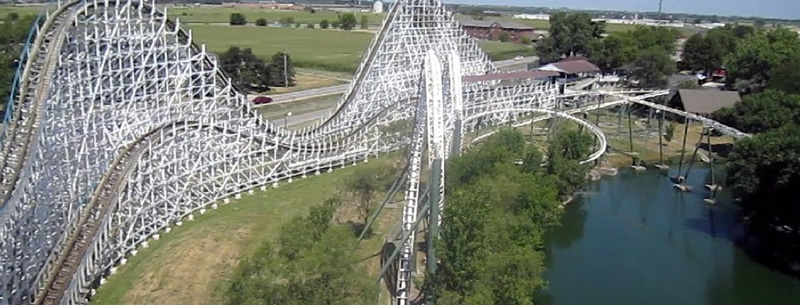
(261, 22)
(237, 19)
(310, 25)
(336, 24)
(764, 171)
(364, 22)
(347, 21)
(247, 71)
(505, 37)
(281, 70)
(613, 51)
(297, 25)
(655, 66)
(570, 34)
(564, 153)
(324, 24)
(525, 40)
(749, 67)
(762, 112)
(786, 77)
(311, 263)
(287, 21)
(697, 53)
(669, 132)
(363, 186)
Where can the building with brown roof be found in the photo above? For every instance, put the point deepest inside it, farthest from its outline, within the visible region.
(703, 102)
(491, 30)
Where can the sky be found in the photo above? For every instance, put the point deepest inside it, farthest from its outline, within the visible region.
(787, 9)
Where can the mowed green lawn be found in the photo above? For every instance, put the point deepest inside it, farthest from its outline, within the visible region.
(330, 50)
(210, 14)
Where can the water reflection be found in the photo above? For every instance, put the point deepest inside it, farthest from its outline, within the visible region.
(633, 239)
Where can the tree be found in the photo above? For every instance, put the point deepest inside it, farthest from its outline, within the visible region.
(613, 51)
(287, 21)
(786, 77)
(750, 65)
(311, 263)
(336, 24)
(570, 34)
(324, 24)
(281, 70)
(237, 19)
(363, 186)
(669, 132)
(505, 37)
(762, 112)
(297, 25)
(310, 25)
(525, 40)
(347, 21)
(247, 71)
(364, 22)
(261, 22)
(655, 65)
(764, 172)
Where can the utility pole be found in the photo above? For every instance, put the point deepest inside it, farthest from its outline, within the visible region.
(285, 70)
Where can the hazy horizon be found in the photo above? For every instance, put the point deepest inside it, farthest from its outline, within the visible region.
(783, 9)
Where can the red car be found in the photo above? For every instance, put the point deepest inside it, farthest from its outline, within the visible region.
(262, 100)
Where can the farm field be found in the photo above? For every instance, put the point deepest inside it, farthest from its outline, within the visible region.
(222, 15)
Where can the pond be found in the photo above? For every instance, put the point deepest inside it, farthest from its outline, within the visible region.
(634, 239)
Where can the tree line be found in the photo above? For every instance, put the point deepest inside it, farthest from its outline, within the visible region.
(764, 171)
(502, 199)
(344, 21)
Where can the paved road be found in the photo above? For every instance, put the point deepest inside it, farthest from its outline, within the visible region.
(339, 89)
(301, 118)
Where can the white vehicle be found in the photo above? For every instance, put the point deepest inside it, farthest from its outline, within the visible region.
(518, 58)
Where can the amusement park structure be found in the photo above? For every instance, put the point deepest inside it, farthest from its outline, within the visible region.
(120, 128)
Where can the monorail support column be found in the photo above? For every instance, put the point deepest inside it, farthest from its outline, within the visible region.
(661, 165)
(713, 187)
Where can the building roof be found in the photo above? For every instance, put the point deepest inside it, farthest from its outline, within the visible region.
(570, 67)
(707, 101)
(489, 24)
(507, 75)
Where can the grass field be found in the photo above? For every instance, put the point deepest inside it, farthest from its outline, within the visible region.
(191, 264)
(222, 15)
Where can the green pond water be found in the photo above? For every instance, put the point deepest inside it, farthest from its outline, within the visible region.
(633, 239)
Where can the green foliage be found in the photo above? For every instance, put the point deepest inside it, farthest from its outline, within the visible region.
(347, 21)
(281, 70)
(655, 66)
(287, 21)
(261, 22)
(505, 37)
(613, 51)
(756, 56)
(363, 187)
(237, 19)
(13, 33)
(491, 242)
(324, 24)
(762, 112)
(765, 172)
(708, 52)
(570, 34)
(248, 72)
(364, 22)
(669, 132)
(525, 40)
(311, 263)
(310, 26)
(786, 77)
(566, 150)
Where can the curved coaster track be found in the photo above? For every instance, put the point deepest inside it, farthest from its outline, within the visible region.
(121, 127)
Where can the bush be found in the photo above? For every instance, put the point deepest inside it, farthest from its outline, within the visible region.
(525, 40)
(324, 24)
(347, 21)
(238, 19)
(505, 37)
(261, 22)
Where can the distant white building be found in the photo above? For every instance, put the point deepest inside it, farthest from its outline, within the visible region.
(533, 16)
(377, 7)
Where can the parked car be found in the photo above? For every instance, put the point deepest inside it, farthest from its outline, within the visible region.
(262, 100)
(519, 58)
